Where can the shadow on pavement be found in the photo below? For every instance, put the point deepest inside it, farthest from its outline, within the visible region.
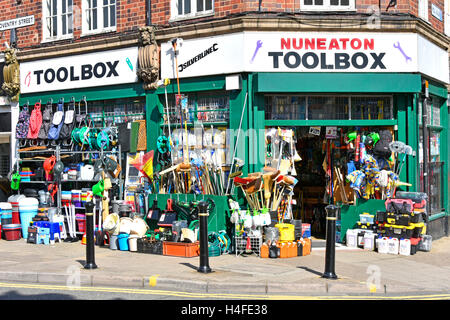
(311, 270)
(14, 295)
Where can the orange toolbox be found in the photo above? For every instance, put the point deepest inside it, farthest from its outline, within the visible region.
(181, 249)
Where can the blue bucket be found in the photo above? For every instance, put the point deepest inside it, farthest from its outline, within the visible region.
(25, 219)
(123, 241)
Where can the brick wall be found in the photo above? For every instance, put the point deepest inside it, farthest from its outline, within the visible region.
(223, 8)
(131, 14)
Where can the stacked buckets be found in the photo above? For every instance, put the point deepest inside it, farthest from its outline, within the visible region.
(11, 230)
(28, 208)
(14, 201)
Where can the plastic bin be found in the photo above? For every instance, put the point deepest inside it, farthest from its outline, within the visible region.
(181, 249)
(382, 245)
(306, 230)
(81, 221)
(405, 247)
(351, 238)
(113, 244)
(287, 231)
(145, 245)
(425, 244)
(393, 245)
(132, 242)
(122, 239)
(25, 219)
(12, 231)
(366, 218)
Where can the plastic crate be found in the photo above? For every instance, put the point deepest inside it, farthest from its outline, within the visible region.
(181, 249)
(146, 246)
(366, 218)
(241, 244)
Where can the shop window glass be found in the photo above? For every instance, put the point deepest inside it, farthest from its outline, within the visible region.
(191, 8)
(108, 112)
(371, 108)
(328, 108)
(58, 19)
(285, 108)
(99, 16)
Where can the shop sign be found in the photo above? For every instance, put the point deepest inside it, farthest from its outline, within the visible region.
(315, 131)
(86, 70)
(303, 52)
(331, 133)
(16, 23)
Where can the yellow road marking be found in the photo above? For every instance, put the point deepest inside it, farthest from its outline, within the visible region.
(219, 295)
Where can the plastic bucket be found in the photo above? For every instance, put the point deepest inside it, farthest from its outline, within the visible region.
(139, 227)
(111, 224)
(122, 239)
(113, 242)
(12, 232)
(7, 217)
(125, 225)
(132, 242)
(25, 219)
(81, 221)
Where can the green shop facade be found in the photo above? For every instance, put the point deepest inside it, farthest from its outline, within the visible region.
(253, 71)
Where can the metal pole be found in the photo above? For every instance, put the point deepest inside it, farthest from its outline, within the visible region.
(425, 139)
(90, 255)
(331, 242)
(203, 221)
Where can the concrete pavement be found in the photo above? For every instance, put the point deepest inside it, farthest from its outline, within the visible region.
(360, 272)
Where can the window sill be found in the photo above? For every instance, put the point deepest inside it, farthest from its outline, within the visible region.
(190, 17)
(96, 32)
(329, 9)
(57, 39)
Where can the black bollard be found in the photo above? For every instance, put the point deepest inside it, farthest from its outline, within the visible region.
(90, 259)
(203, 221)
(331, 242)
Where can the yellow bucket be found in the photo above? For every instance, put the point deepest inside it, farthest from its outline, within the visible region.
(287, 231)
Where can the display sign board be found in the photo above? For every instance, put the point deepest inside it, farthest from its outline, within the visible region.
(103, 68)
(16, 23)
(301, 52)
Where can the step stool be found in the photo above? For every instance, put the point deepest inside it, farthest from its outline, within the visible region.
(62, 227)
(55, 232)
(43, 236)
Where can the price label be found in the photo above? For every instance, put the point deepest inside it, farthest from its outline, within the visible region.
(314, 131)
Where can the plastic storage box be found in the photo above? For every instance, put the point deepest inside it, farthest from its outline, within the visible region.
(181, 249)
(366, 218)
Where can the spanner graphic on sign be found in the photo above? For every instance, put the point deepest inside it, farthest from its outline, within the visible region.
(397, 45)
(258, 45)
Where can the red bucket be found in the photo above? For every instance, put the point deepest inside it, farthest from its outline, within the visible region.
(81, 220)
(12, 231)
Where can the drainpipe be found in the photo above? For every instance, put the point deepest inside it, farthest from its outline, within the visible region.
(426, 184)
(149, 12)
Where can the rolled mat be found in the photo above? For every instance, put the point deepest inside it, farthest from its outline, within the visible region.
(134, 136)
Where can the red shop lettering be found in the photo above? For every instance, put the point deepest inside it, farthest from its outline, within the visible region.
(324, 44)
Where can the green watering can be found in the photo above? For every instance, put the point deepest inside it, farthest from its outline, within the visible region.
(98, 188)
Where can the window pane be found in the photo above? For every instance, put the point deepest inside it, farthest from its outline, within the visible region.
(187, 6)
(208, 4)
(70, 20)
(334, 2)
(112, 10)
(70, 6)
(330, 108)
(345, 3)
(199, 5)
(180, 7)
(94, 17)
(54, 26)
(285, 108)
(371, 108)
(105, 17)
(318, 2)
(55, 7)
(64, 8)
(308, 2)
(64, 24)
(105, 2)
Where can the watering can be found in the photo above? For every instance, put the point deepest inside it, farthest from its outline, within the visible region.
(98, 188)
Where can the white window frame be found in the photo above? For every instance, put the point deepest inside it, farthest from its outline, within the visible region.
(100, 18)
(49, 13)
(327, 6)
(422, 9)
(193, 14)
(447, 17)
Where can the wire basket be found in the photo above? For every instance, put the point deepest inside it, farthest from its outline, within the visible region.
(241, 244)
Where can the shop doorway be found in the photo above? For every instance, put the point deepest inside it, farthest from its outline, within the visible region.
(326, 156)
